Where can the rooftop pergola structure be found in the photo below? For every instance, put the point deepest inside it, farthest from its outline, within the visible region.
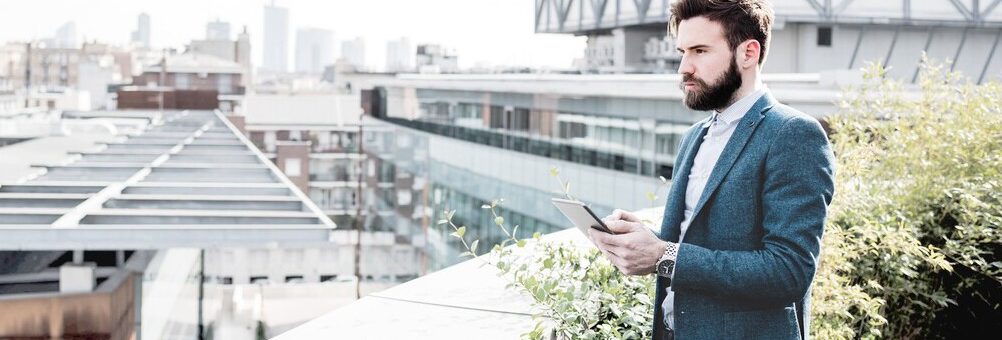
(188, 179)
(584, 16)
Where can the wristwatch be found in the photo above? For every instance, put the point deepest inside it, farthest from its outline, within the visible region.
(666, 264)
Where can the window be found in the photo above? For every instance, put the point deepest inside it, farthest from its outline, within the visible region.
(292, 167)
(224, 83)
(404, 197)
(269, 141)
(182, 81)
(825, 36)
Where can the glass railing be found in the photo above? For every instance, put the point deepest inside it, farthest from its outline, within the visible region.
(541, 147)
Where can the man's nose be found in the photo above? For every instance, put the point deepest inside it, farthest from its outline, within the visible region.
(685, 67)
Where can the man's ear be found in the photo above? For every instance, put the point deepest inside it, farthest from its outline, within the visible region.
(748, 53)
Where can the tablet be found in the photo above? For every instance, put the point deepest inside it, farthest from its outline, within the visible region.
(580, 215)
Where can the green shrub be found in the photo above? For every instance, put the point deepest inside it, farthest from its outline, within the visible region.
(917, 197)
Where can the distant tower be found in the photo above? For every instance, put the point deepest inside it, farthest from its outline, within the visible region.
(314, 50)
(399, 55)
(66, 35)
(244, 48)
(276, 38)
(217, 30)
(353, 51)
(244, 57)
(141, 36)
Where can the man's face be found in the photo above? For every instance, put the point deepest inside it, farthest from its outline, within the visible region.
(710, 74)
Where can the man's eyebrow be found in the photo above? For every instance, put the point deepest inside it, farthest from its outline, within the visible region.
(692, 47)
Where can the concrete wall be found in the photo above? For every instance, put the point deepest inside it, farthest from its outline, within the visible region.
(104, 314)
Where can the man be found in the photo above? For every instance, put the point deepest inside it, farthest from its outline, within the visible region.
(742, 226)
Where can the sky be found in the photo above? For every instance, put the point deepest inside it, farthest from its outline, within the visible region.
(494, 32)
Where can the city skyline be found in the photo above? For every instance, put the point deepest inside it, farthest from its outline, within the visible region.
(500, 39)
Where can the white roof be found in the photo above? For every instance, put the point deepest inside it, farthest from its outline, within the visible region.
(187, 179)
(336, 110)
(197, 63)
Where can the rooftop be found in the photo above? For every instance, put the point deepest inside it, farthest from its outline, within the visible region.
(178, 173)
(583, 17)
(453, 303)
(197, 63)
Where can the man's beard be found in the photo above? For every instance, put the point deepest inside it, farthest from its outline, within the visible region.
(705, 97)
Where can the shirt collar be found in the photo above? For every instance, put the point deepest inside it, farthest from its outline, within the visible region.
(737, 110)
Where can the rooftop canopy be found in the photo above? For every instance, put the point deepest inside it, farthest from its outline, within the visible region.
(186, 179)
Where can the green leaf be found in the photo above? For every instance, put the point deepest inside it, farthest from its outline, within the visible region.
(536, 235)
(466, 254)
(461, 231)
(554, 171)
(473, 247)
(521, 243)
(499, 220)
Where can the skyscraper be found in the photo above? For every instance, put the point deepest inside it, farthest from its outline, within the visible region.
(66, 35)
(141, 36)
(353, 51)
(217, 30)
(314, 49)
(399, 55)
(276, 38)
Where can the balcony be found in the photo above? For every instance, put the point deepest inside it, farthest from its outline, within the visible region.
(453, 303)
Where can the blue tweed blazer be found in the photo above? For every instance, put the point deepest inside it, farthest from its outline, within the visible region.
(745, 267)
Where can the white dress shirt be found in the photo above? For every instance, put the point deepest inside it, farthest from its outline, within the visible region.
(721, 127)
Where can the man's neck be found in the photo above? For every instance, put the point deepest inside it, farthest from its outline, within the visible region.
(747, 87)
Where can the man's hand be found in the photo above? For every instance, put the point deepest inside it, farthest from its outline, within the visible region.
(634, 249)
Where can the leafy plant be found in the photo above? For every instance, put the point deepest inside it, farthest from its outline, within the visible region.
(580, 293)
(915, 224)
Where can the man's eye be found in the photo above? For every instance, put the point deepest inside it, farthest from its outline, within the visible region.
(699, 51)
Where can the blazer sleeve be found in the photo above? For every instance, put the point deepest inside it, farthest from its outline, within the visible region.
(798, 186)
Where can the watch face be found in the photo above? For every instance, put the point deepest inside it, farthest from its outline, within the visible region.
(665, 267)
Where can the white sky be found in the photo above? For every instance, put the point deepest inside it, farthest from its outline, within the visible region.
(498, 32)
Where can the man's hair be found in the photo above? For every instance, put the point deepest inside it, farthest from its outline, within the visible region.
(741, 19)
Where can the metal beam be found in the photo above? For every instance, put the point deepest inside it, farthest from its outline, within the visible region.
(962, 9)
(841, 7)
(562, 8)
(598, 10)
(855, 51)
(925, 50)
(963, 40)
(818, 8)
(976, 10)
(642, 7)
(990, 8)
(540, 4)
(890, 51)
(988, 62)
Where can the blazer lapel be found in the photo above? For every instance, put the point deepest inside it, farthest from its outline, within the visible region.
(742, 133)
(675, 206)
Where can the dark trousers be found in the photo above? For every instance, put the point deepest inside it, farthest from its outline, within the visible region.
(662, 333)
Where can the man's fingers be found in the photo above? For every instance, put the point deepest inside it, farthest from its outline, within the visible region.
(620, 214)
(592, 235)
(621, 226)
